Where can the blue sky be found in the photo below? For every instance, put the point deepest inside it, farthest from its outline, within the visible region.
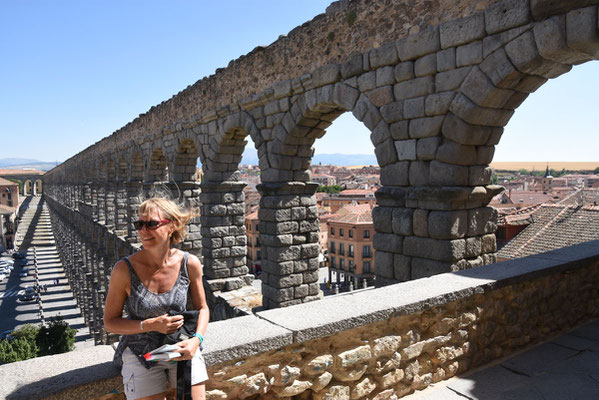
(73, 72)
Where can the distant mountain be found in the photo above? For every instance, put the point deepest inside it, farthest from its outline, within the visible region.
(19, 163)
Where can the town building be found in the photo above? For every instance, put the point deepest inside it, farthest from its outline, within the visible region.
(253, 243)
(350, 250)
(8, 227)
(324, 179)
(348, 197)
(9, 193)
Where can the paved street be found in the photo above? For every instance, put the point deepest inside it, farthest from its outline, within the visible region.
(35, 231)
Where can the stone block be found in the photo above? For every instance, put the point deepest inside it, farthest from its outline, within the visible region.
(330, 73)
(390, 243)
(385, 76)
(438, 103)
(481, 221)
(530, 83)
(404, 71)
(426, 148)
(392, 112)
(381, 96)
(277, 295)
(550, 38)
(413, 108)
(380, 133)
(450, 80)
(385, 153)
(399, 130)
(582, 31)
(469, 54)
(488, 244)
(465, 109)
(479, 175)
(396, 174)
(414, 88)
(301, 291)
(382, 218)
(345, 96)
(541, 9)
(442, 174)
(384, 55)
(310, 250)
(505, 15)
(484, 154)
(425, 127)
(500, 70)
(461, 31)
(462, 132)
(458, 154)
(402, 221)
(426, 65)
(419, 44)
(422, 267)
(402, 269)
(367, 81)
(298, 213)
(473, 247)
(479, 88)
(384, 264)
(446, 60)
(447, 224)
(419, 173)
(353, 67)
(420, 222)
(406, 149)
(524, 55)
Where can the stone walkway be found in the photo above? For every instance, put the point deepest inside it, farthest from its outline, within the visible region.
(565, 368)
(35, 232)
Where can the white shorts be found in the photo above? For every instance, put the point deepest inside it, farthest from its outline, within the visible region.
(138, 381)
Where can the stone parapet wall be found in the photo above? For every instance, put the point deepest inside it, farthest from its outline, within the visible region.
(377, 344)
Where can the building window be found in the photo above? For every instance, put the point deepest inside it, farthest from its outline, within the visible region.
(3, 194)
(10, 203)
(366, 234)
(341, 263)
(342, 249)
(332, 262)
(350, 266)
(350, 250)
(332, 250)
(366, 267)
(350, 233)
(10, 196)
(366, 251)
(258, 255)
(340, 231)
(332, 231)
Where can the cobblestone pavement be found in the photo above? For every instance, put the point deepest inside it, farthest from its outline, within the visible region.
(35, 232)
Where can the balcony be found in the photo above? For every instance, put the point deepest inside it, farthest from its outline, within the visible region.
(464, 320)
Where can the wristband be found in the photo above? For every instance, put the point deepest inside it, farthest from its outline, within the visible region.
(141, 325)
(199, 336)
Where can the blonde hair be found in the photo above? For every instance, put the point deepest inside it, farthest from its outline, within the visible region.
(171, 211)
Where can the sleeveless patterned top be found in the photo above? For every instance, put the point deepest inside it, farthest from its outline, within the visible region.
(142, 304)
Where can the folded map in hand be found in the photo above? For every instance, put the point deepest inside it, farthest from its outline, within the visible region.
(165, 352)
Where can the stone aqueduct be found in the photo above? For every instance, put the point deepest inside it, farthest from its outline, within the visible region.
(434, 81)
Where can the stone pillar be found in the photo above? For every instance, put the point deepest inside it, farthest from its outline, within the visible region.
(93, 201)
(109, 205)
(101, 203)
(424, 231)
(121, 209)
(289, 243)
(134, 199)
(190, 192)
(223, 235)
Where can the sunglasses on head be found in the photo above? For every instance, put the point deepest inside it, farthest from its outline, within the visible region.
(151, 225)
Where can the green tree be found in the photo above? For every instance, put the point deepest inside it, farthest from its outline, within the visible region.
(57, 337)
(21, 345)
(523, 171)
(596, 171)
(329, 189)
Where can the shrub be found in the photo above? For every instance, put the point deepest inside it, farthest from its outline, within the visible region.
(20, 346)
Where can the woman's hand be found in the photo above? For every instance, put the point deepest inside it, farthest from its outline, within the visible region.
(164, 323)
(187, 348)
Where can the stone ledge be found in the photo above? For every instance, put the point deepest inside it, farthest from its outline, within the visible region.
(91, 371)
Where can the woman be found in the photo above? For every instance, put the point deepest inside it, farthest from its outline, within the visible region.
(150, 283)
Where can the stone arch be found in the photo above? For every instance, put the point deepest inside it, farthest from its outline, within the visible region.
(27, 187)
(185, 160)
(158, 166)
(122, 168)
(136, 172)
(220, 159)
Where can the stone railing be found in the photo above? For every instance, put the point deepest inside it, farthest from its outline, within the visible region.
(376, 343)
